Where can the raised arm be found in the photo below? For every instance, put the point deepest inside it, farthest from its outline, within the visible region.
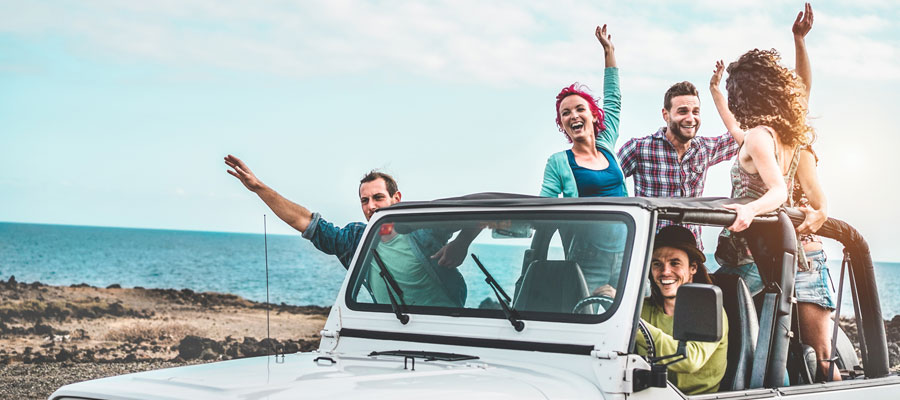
(817, 210)
(802, 26)
(760, 147)
(734, 128)
(292, 213)
(612, 94)
(608, 49)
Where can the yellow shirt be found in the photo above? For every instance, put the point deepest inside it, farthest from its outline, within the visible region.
(704, 365)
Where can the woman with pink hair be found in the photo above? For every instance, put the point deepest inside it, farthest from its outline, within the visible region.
(590, 169)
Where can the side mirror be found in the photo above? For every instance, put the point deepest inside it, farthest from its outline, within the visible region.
(698, 313)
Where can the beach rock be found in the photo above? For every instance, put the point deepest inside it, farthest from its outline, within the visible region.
(234, 351)
(190, 347)
(63, 355)
(114, 286)
(194, 347)
(209, 355)
(41, 329)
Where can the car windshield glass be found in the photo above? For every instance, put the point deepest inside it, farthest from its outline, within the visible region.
(546, 266)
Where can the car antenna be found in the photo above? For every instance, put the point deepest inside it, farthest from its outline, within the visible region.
(266, 251)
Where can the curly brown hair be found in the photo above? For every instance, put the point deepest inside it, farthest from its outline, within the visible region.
(762, 92)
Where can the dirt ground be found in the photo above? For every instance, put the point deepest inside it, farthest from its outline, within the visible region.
(82, 332)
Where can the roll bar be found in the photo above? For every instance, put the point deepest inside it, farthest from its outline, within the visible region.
(869, 319)
(774, 235)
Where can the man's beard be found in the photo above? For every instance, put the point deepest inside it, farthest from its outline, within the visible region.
(675, 129)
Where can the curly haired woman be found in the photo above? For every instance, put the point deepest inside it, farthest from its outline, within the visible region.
(773, 100)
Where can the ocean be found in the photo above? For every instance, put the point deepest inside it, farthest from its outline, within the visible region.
(234, 263)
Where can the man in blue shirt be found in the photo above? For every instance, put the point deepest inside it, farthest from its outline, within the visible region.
(376, 190)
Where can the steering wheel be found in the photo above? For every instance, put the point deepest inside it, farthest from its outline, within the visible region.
(651, 347)
(603, 303)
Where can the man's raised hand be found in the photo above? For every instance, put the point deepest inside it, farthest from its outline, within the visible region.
(242, 172)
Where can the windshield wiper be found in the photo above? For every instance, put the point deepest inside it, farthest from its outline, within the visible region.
(391, 284)
(502, 297)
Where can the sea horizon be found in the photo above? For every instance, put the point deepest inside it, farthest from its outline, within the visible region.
(218, 261)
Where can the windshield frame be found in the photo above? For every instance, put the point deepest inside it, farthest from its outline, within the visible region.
(364, 253)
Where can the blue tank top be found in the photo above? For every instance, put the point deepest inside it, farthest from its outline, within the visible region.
(609, 182)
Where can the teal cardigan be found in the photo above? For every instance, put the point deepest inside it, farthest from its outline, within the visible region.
(558, 176)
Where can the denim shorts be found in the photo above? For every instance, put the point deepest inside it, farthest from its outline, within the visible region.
(812, 285)
(747, 271)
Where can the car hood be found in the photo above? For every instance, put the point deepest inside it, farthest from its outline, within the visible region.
(348, 377)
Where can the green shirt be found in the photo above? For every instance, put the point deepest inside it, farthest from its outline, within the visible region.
(704, 365)
(420, 287)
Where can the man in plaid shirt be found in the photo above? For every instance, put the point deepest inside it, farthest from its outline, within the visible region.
(673, 161)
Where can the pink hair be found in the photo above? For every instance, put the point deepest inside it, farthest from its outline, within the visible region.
(578, 89)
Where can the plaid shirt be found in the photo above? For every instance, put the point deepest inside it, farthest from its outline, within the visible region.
(653, 162)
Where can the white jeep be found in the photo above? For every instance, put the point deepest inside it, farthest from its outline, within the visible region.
(519, 318)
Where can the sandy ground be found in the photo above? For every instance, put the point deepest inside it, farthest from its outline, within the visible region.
(51, 335)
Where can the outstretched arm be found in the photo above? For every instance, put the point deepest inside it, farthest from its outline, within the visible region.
(612, 94)
(802, 26)
(292, 213)
(734, 128)
(760, 147)
(608, 48)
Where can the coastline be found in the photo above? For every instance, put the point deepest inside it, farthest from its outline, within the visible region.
(55, 335)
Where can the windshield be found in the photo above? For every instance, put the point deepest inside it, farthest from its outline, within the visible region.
(550, 266)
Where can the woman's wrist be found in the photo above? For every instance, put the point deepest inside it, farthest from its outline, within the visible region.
(610, 59)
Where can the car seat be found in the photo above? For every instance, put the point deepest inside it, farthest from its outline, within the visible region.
(743, 329)
(551, 286)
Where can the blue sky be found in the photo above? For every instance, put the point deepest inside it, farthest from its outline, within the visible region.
(119, 113)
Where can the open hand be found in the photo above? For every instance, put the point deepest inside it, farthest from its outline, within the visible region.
(804, 21)
(717, 75)
(605, 39)
(242, 172)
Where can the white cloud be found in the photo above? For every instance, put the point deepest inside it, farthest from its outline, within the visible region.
(497, 43)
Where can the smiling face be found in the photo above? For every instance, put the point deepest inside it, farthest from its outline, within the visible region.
(671, 268)
(576, 118)
(374, 195)
(683, 118)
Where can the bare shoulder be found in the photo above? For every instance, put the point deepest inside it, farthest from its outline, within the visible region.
(760, 138)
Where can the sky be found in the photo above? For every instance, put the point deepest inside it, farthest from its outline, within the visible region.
(119, 113)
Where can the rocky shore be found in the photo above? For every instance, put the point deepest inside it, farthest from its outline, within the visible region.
(54, 335)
